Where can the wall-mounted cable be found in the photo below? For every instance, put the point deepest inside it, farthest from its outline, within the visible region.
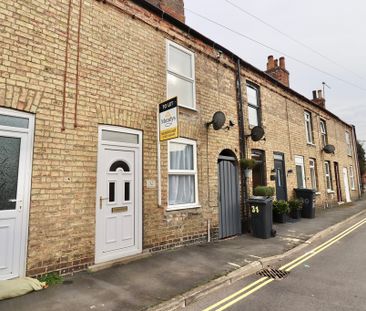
(78, 63)
(66, 64)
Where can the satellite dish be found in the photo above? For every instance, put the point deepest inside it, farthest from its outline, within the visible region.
(218, 120)
(329, 149)
(257, 133)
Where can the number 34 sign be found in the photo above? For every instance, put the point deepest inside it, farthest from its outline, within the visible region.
(254, 209)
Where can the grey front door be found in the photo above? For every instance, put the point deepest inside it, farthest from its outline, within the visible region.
(229, 197)
(279, 166)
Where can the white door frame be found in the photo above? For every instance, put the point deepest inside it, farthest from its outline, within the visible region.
(138, 189)
(346, 185)
(27, 179)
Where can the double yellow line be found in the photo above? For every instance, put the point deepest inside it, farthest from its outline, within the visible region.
(255, 286)
(322, 247)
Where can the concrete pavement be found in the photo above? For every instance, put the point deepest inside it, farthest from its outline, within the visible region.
(163, 276)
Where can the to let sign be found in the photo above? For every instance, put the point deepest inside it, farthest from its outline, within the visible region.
(168, 117)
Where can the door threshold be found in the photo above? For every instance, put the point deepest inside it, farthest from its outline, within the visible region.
(117, 262)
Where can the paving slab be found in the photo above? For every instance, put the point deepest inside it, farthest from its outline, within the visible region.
(162, 276)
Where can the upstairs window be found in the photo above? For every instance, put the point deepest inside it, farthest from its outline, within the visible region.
(308, 128)
(253, 105)
(180, 75)
(328, 176)
(349, 144)
(323, 133)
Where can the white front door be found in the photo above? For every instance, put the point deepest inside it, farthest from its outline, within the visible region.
(15, 159)
(346, 185)
(118, 211)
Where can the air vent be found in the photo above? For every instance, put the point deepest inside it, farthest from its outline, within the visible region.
(273, 273)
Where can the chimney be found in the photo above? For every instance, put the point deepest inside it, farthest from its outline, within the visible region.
(278, 72)
(314, 95)
(174, 8)
(282, 63)
(270, 63)
(318, 98)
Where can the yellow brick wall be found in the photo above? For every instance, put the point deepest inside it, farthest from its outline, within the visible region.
(122, 79)
(283, 121)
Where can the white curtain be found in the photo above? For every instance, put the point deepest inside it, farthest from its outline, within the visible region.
(181, 187)
(181, 156)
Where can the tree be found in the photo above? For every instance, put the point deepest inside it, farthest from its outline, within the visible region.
(361, 158)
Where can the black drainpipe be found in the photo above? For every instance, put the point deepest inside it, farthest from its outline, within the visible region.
(243, 182)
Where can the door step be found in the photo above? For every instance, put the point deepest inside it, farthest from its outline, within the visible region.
(117, 262)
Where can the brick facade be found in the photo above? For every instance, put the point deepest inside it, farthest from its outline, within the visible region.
(283, 121)
(115, 74)
(174, 8)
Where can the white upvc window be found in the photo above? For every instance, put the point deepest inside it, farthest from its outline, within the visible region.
(253, 105)
(352, 178)
(323, 133)
(182, 163)
(308, 128)
(300, 172)
(181, 75)
(313, 177)
(349, 144)
(328, 176)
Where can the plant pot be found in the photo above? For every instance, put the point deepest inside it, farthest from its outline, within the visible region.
(280, 218)
(295, 213)
(248, 173)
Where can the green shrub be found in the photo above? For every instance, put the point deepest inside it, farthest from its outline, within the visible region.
(263, 191)
(281, 207)
(295, 204)
(51, 278)
(248, 163)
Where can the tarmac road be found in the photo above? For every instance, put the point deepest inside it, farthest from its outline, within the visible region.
(333, 279)
(154, 280)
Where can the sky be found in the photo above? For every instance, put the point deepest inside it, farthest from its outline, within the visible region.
(333, 28)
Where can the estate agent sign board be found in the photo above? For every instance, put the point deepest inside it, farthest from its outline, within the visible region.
(168, 117)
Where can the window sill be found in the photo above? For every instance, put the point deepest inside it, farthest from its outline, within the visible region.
(194, 109)
(173, 208)
(330, 191)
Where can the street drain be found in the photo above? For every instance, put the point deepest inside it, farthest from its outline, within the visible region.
(273, 273)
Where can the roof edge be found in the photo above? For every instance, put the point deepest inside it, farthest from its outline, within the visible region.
(184, 27)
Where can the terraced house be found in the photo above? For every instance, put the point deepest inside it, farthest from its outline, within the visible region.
(84, 179)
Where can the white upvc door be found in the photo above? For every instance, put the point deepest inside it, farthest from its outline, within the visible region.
(346, 184)
(119, 194)
(15, 170)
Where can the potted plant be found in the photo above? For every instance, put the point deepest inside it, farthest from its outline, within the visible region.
(248, 165)
(263, 191)
(280, 211)
(295, 206)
